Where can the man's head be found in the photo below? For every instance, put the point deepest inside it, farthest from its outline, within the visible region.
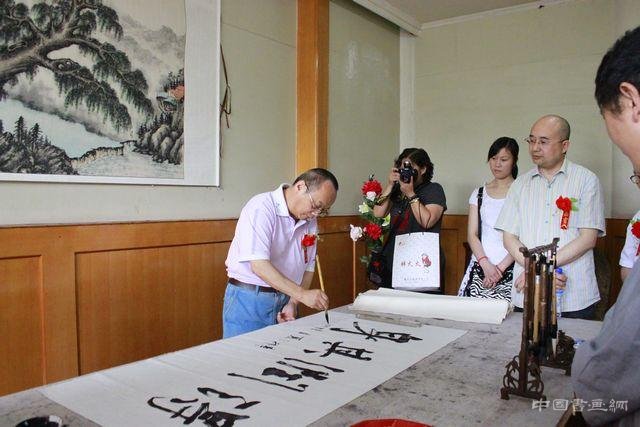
(312, 194)
(549, 141)
(617, 84)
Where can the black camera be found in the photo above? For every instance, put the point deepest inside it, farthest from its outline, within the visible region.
(407, 172)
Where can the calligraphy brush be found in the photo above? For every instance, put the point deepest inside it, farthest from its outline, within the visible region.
(326, 313)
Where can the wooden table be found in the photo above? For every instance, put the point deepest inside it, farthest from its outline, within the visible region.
(455, 386)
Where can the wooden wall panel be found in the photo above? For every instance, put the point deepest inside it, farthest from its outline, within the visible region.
(612, 247)
(335, 251)
(134, 304)
(452, 237)
(78, 298)
(21, 324)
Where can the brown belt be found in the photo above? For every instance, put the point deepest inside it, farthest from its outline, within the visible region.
(251, 287)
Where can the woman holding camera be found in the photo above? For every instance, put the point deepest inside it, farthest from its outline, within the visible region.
(490, 270)
(416, 204)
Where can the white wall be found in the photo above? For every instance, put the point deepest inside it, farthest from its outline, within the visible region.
(626, 199)
(259, 38)
(480, 79)
(364, 102)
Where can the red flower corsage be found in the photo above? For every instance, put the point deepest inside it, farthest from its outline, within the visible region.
(308, 240)
(635, 230)
(374, 231)
(565, 204)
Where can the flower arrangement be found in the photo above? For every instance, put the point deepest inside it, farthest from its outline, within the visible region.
(374, 228)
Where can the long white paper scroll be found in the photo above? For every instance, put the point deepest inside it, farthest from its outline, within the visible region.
(285, 375)
(463, 309)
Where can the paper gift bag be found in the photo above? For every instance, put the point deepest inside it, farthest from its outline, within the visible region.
(416, 262)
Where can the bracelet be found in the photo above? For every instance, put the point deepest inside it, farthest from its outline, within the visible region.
(382, 199)
(500, 270)
(413, 200)
(481, 258)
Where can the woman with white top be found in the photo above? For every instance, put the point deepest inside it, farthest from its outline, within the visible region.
(490, 270)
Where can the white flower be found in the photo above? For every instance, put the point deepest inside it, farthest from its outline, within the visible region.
(387, 220)
(371, 195)
(355, 233)
(363, 208)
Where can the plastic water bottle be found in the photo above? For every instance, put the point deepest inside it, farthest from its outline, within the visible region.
(559, 295)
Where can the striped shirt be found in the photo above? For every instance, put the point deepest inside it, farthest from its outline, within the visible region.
(531, 214)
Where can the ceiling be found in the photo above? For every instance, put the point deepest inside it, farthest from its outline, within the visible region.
(425, 11)
(414, 15)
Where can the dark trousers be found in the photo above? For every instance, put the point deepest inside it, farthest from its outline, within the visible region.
(588, 313)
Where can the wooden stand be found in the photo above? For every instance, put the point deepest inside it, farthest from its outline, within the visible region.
(563, 356)
(539, 328)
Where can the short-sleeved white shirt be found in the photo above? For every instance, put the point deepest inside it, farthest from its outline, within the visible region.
(491, 238)
(266, 231)
(628, 255)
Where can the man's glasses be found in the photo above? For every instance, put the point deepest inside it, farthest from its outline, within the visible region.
(544, 142)
(635, 178)
(319, 211)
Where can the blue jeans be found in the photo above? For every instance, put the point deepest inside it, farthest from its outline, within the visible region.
(245, 310)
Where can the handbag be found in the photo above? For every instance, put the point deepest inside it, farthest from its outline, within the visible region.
(416, 262)
(475, 288)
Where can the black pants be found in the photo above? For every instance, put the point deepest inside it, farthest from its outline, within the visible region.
(588, 313)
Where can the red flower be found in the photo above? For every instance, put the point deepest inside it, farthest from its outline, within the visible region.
(309, 240)
(372, 230)
(563, 203)
(635, 229)
(371, 185)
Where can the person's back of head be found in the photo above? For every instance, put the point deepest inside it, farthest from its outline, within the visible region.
(620, 64)
(618, 94)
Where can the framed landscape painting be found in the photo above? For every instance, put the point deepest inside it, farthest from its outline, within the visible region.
(109, 91)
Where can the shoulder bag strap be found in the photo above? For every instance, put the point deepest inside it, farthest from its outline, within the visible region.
(480, 191)
(394, 225)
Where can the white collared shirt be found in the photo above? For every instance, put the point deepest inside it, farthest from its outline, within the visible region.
(266, 231)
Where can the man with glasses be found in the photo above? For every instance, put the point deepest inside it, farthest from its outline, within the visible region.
(271, 260)
(631, 252)
(607, 368)
(531, 216)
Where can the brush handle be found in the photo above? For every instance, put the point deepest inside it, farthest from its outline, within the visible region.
(326, 313)
(320, 273)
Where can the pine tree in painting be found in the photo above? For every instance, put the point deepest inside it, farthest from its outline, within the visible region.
(30, 36)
